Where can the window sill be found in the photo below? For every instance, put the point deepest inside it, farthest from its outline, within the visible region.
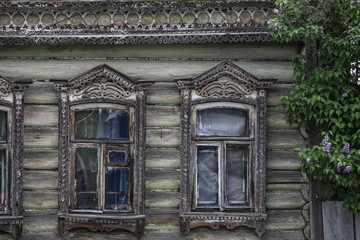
(104, 222)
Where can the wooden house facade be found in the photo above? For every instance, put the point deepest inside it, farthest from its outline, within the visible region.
(160, 66)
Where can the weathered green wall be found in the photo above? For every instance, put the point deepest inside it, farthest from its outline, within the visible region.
(287, 194)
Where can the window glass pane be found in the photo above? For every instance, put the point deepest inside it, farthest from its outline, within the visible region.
(2, 178)
(101, 124)
(236, 159)
(207, 175)
(86, 169)
(117, 156)
(3, 124)
(230, 122)
(116, 188)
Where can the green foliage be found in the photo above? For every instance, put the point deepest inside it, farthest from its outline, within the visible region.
(327, 92)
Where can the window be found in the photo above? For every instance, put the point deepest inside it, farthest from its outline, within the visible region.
(223, 126)
(102, 151)
(11, 154)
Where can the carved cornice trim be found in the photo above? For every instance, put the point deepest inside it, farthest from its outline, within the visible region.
(150, 22)
(5, 86)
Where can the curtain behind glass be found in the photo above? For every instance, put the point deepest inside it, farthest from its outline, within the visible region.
(3, 124)
(2, 178)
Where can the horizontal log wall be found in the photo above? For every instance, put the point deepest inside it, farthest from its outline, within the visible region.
(286, 195)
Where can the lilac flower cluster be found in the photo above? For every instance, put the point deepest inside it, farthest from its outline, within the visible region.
(352, 2)
(326, 144)
(346, 148)
(308, 160)
(275, 25)
(346, 170)
(344, 95)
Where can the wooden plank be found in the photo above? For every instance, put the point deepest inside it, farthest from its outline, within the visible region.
(42, 223)
(41, 137)
(357, 226)
(162, 116)
(149, 235)
(225, 50)
(163, 137)
(162, 180)
(35, 159)
(278, 90)
(43, 236)
(337, 221)
(284, 200)
(41, 93)
(40, 200)
(163, 93)
(40, 180)
(162, 200)
(284, 177)
(283, 160)
(284, 139)
(85, 234)
(284, 220)
(162, 221)
(163, 158)
(276, 119)
(283, 235)
(41, 115)
(161, 70)
(222, 233)
(294, 187)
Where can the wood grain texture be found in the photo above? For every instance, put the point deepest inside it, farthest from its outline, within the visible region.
(280, 220)
(163, 138)
(40, 159)
(40, 223)
(276, 119)
(41, 93)
(278, 90)
(162, 221)
(283, 235)
(162, 180)
(162, 200)
(41, 137)
(283, 160)
(41, 115)
(40, 180)
(163, 93)
(284, 177)
(163, 158)
(162, 116)
(40, 200)
(284, 139)
(282, 200)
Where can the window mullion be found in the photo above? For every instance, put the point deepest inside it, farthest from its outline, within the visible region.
(221, 175)
(100, 187)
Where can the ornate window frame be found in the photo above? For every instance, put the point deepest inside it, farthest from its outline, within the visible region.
(102, 85)
(225, 83)
(11, 101)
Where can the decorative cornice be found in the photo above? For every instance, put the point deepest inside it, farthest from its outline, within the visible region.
(150, 22)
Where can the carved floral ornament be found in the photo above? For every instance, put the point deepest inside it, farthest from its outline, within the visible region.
(117, 22)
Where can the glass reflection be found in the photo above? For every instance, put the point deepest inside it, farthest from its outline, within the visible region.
(236, 174)
(117, 157)
(3, 124)
(2, 178)
(224, 122)
(207, 175)
(86, 169)
(101, 124)
(116, 188)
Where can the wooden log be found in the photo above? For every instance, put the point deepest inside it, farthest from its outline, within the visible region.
(338, 222)
(40, 180)
(222, 233)
(160, 70)
(163, 158)
(41, 223)
(284, 200)
(284, 220)
(41, 93)
(162, 180)
(278, 90)
(162, 221)
(163, 137)
(283, 235)
(157, 235)
(283, 160)
(41, 137)
(41, 115)
(276, 119)
(284, 177)
(225, 50)
(35, 159)
(163, 93)
(284, 139)
(85, 234)
(40, 200)
(162, 200)
(162, 116)
(292, 187)
(45, 235)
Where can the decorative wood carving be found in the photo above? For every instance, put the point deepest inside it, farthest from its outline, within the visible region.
(144, 22)
(225, 82)
(12, 95)
(102, 84)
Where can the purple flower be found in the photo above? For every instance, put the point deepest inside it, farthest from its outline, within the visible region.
(344, 95)
(268, 22)
(326, 144)
(276, 11)
(347, 169)
(308, 160)
(280, 5)
(352, 2)
(339, 165)
(346, 148)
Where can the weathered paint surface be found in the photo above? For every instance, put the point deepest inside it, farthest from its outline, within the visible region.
(285, 194)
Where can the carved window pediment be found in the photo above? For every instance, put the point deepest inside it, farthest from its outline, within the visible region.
(223, 143)
(102, 128)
